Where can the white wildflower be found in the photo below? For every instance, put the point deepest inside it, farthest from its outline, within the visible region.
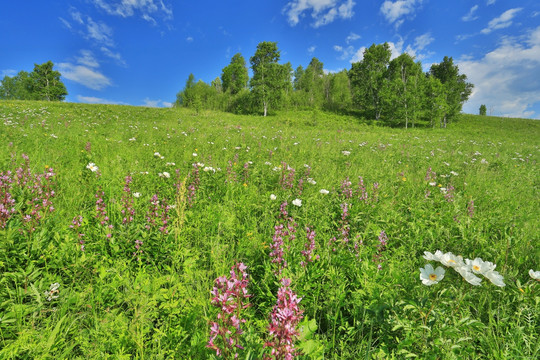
(430, 276)
(297, 202)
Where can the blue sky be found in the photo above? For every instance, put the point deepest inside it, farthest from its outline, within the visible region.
(140, 52)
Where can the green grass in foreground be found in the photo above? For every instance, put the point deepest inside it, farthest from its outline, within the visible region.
(138, 291)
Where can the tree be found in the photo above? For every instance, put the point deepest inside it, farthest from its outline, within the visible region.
(235, 75)
(339, 91)
(269, 79)
(435, 106)
(457, 88)
(483, 110)
(402, 96)
(185, 97)
(41, 84)
(368, 79)
(47, 84)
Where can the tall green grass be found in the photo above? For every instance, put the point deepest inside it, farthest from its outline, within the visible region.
(112, 305)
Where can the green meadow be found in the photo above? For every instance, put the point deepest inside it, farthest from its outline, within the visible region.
(117, 223)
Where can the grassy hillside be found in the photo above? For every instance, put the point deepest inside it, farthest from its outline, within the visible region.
(135, 212)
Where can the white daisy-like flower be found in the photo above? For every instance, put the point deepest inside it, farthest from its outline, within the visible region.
(297, 202)
(267, 163)
(346, 153)
(156, 154)
(468, 275)
(433, 257)
(165, 175)
(451, 260)
(534, 274)
(92, 167)
(324, 191)
(495, 278)
(430, 276)
(170, 164)
(454, 173)
(311, 181)
(209, 168)
(273, 197)
(479, 266)
(137, 194)
(433, 183)
(194, 154)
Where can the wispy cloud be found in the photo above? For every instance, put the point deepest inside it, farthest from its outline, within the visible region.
(501, 22)
(506, 79)
(470, 15)
(311, 49)
(96, 100)
(396, 11)
(85, 71)
(113, 55)
(323, 12)
(147, 9)
(352, 37)
(156, 103)
(422, 41)
(99, 31)
(7, 72)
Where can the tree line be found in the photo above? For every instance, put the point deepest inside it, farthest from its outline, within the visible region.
(397, 92)
(43, 83)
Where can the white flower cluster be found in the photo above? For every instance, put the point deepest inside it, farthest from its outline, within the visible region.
(53, 292)
(164, 175)
(467, 268)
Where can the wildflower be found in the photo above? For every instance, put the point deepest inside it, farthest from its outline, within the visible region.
(165, 175)
(484, 161)
(209, 168)
(297, 202)
(194, 154)
(495, 278)
(53, 292)
(433, 257)
(468, 275)
(433, 183)
(479, 266)
(92, 167)
(324, 191)
(430, 276)
(273, 197)
(283, 321)
(451, 260)
(454, 173)
(137, 194)
(534, 274)
(311, 181)
(346, 153)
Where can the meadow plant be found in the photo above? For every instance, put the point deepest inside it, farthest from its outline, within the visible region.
(158, 215)
(7, 203)
(230, 296)
(76, 224)
(101, 212)
(346, 188)
(309, 247)
(284, 320)
(127, 202)
(381, 247)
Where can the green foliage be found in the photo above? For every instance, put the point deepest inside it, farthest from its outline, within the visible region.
(117, 301)
(43, 83)
(482, 111)
(235, 75)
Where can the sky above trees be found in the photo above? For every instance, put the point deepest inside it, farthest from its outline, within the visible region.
(141, 52)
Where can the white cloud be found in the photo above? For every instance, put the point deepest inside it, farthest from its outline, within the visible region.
(470, 15)
(156, 103)
(506, 79)
(85, 71)
(323, 12)
(113, 55)
(420, 42)
(189, 39)
(7, 72)
(501, 22)
(490, 2)
(358, 55)
(87, 58)
(96, 100)
(100, 32)
(65, 22)
(352, 37)
(395, 11)
(311, 49)
(128, 8)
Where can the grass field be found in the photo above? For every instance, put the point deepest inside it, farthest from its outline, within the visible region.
(119, 227)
